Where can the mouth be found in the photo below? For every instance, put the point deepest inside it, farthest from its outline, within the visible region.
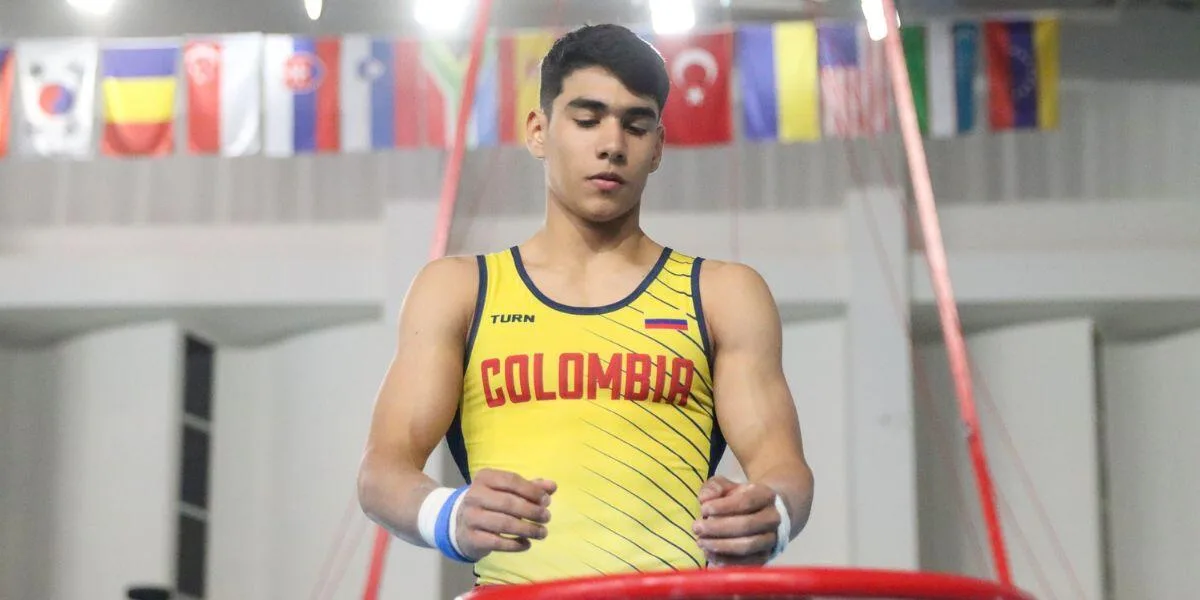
(607, 181)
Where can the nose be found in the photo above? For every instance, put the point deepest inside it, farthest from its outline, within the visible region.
(612, 145)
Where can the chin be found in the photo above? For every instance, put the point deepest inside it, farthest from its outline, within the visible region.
(602, 209)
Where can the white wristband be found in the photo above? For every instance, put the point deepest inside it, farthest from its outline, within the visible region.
(428, 515)
(784, 533)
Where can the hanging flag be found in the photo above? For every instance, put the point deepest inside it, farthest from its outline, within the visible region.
(1023, 73)
(443, 73)
(138, 84)
(57, 80)
(780, 91)
(380, 98)
(300, 87)
(699, 107)
(855, 89)
(941, 61)
(520, 81)
(224, 94)
(6, 88)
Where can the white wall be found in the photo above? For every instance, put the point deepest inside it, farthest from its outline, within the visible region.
(291, 421)
(1152, 420)
(90, 506)
(1036, 395)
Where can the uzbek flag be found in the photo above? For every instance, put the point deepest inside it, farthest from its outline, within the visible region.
(941, 59)
(1023, 74)
(520, 80)
(138, 80)
(779, 81)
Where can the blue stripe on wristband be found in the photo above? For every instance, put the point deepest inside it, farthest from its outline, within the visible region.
(441, 531)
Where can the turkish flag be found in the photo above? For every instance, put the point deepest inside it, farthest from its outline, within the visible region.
(699, 109)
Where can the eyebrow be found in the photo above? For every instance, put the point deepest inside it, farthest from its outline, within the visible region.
(636, 112)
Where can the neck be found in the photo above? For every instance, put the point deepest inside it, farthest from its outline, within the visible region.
(575, 240)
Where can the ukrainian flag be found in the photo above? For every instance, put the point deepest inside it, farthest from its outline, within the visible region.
(779, 81)
(139, 85)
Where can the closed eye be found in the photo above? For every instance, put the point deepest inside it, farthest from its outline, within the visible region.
(587, 123)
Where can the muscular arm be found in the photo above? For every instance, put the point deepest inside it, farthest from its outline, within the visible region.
(754, 405)
(419, 395)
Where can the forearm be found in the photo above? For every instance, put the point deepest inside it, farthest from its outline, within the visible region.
(793, 481)
(391, 492)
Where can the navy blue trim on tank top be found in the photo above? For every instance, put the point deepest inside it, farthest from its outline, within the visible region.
(588, 310)
(716, 442)
(454, 435)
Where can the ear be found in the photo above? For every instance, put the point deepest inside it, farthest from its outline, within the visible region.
(536, 124)
(658, 147)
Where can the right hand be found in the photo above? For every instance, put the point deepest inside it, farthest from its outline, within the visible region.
(501, 511)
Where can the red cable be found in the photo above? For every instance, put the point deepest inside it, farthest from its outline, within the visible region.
(441, 232)
(939, 277)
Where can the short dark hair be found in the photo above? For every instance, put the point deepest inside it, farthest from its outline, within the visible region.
(617, 49)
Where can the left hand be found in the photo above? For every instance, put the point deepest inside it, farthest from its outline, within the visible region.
(738, 522)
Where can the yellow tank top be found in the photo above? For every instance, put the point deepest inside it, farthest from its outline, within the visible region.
(613, 403)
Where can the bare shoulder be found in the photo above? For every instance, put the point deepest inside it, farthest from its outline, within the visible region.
(737, 300)
(442, 294)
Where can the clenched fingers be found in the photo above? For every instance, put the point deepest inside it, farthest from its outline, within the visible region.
(505, 525)
(763, 521)
(726, 550)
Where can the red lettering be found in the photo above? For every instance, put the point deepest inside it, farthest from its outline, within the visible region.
(637, 380)
(539, 380)
(570, 387)
(600, 376)
(493, 395)
(660, 374)
(516, 373)
(682, 370)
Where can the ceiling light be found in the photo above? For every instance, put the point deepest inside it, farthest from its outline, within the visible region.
(91, 7)
(441, 16)
(876, 25)
(672, 16)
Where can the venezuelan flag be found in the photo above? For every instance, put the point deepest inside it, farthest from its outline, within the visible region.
(520, 80)
(779, 81)
(1023, 74)
(139, 86)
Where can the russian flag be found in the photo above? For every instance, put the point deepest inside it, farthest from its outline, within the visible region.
(677, 324)
(224, 94)
(301, 84)
(380, 93)
(1022, 74)
(6, 88)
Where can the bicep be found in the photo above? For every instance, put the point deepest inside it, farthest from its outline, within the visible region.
(419, 395)
(755, 408)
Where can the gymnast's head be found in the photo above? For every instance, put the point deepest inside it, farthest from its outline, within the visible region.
(598, 126)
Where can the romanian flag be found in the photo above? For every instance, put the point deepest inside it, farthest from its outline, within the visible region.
(6, 87)
(520, 81)
(139, 83)
(779, 81)
(1023, 74)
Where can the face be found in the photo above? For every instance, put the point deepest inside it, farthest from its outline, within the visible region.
(600, 144)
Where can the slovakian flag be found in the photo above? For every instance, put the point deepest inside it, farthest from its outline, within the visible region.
(380, 95)
(855, 90)
(699, 110)
(138, 80)
(300, 88)
(520, 81)
(6, 89)
(443, 78)
(780, 89)
(942, 59)
(1023, 73)
(224, 94)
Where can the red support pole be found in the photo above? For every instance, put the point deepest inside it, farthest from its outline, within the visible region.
(935, 256)
(441, 234)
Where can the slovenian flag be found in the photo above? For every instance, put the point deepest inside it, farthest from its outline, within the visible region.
(300, 85)
(224, 88)
(380, 96)
(6, 89)
(139, 83)
(520, 81)
(779, 83)
(1023, 72)
(444, 71)
(942, 60)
